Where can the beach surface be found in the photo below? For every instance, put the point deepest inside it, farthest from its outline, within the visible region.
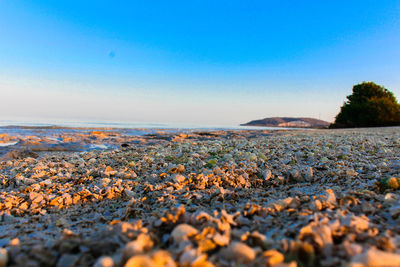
(200, 198)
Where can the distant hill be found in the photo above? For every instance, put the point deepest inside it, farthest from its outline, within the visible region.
(289, 122)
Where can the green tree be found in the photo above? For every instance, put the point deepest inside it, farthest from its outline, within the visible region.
(370, 105)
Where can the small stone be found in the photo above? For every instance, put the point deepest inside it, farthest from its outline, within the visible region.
(46, 182)
(109, 169)
(390, 197)
(330, 197)
(178, 178)
(316, 205)
(189, 257)
(375, 257)
(104, 262)
(35, 197)
(67, 199)
(324, 159)
(351, 173)
(163, 258)
(355, 222)
(145, 241)
(309, 174)
(352, 249)
(67, 260)
(221, 240)
(240, 252)
(294, 175)
(172, 169)
(395, 211)
(273, 257)
(180, 168)
(267, 174)
(393, 183)
(3, 257)
(8, 218)
(132, 249)
(140, 261)
(182, 232)
(14, 242)
(319, 234)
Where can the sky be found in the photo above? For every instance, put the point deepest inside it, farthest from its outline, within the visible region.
(192, 62)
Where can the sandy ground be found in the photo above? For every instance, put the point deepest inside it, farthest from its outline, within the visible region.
(227, 198)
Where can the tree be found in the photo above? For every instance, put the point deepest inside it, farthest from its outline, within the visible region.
(370, 105)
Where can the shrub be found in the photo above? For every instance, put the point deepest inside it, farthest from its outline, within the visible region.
(370, 105)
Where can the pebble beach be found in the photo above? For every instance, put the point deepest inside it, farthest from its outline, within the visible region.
(201, 198)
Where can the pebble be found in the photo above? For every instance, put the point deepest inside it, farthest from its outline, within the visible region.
(67, 260)
(273, 257)
(3, 257)
(178, 178)
(104, 261)
(267, 174)
(376, 258)
(182, 232)
(140, 261)
(240, 252)
(206, 199)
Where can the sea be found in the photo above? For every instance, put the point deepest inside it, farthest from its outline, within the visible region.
(40, 127)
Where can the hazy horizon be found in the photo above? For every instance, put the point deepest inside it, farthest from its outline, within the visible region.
(200, 63)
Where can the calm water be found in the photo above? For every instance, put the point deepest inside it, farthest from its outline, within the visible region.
(129, 128)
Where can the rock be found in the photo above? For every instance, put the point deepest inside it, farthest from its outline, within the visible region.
(176, 169)
(351, 173)
(329, 197)
(145, 241)
(163, 259)
(35, 197)
(352, 249)
(267, 174)
(3, 257)
(240, 252)
(109, 171)
(390, 197)
(395, 211)
(182, 232)
(273, 257)
(260, 240)
(180, 168)
(67, 199)
(355, 222)
(294, 175)
(319, 234)
(309, 174)
(316, 205)
(376, 258)
(189, 257)
(178, 178)
(132, 249)
(221, 240)
(104, 261)
(14, 242)
(67, 260)
(393, 183)
(140, 261)
(8, 218)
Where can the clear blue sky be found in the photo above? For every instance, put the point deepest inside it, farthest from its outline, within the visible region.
(201, 62)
